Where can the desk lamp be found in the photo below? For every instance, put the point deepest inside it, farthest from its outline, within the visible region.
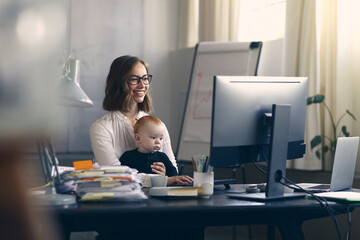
(70, 94)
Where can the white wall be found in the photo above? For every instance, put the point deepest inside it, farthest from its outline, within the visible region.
(160, 36)
(100, 31)
(271, 58)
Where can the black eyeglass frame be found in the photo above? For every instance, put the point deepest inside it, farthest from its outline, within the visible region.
(140, 78)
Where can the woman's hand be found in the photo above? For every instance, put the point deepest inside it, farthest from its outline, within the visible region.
(158, 168)
(179, 180)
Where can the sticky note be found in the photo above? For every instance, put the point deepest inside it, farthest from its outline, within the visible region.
(110, 184)
(97, 196)
(83, 165)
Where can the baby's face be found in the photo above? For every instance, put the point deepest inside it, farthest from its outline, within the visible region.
(150, 138)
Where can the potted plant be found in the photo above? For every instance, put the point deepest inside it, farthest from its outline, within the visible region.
(328, 143)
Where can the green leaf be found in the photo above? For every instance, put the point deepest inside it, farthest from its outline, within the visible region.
(332, 145)
(317, 153)
(352, 115)
(325, 149)
(318, 98)
(344, 131)
(309, 100)
(315, 141)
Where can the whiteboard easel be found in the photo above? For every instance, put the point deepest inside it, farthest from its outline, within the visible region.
(210, 59)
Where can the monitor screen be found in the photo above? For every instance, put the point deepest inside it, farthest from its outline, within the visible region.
(241, 117)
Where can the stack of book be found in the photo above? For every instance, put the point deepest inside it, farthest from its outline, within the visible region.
(110, 183)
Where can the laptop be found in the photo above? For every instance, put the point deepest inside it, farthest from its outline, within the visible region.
(343, 169)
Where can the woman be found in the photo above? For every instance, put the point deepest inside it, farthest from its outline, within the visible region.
(127, 99)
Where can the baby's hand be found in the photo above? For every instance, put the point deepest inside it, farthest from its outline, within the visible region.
(158, 168)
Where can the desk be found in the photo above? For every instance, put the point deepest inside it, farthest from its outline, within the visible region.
(191, 214)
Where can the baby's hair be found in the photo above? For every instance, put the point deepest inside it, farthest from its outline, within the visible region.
(146, 119)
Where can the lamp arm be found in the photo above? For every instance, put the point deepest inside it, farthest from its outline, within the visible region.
(45, 164)
(54, 160)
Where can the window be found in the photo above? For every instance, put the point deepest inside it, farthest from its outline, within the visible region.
(261, 20)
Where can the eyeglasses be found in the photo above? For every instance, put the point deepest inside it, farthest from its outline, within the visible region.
(135, 80)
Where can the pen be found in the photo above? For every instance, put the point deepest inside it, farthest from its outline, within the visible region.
(197, 167)
(206, 164)
(202, 163)
(194, 165)
(197, 162)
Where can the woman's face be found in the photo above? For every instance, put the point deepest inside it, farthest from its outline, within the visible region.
(139, 91)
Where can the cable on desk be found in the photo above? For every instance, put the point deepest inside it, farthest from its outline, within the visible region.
(40, 187)
(319, 199)
(323, 202)
(349, 222)
(259, 168)
(255, 164)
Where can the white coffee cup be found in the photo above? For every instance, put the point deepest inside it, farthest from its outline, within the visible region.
(159, 181)
(205, 181)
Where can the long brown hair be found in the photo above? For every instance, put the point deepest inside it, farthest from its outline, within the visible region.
(117, 91)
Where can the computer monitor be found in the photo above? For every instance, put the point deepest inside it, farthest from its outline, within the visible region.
(244, 126)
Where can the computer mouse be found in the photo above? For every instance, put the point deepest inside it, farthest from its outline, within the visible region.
(262, 187)
(252, 189)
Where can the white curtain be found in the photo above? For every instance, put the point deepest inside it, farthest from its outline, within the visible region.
(348, 65)
(301, 59)
(188, 23)
(219, 20)
(327, 68)
(208, 20)
(322, 43)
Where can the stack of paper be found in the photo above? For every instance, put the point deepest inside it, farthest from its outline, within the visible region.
(118, 183)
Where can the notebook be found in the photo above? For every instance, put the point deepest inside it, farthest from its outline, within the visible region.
(343, 169)
(174, 191)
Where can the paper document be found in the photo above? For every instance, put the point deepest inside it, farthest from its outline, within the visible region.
(340, 196)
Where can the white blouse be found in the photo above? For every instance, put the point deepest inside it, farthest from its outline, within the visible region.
(112, 135)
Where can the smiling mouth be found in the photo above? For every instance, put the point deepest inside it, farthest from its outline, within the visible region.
(139, 93)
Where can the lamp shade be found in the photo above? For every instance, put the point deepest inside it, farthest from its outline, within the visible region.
(70, 92)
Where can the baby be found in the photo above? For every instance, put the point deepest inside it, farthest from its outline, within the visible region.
(149, 132)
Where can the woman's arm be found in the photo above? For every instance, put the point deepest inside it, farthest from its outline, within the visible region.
(102, 145)
(167, 149)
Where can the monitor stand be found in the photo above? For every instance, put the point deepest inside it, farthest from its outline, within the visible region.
(277, 161)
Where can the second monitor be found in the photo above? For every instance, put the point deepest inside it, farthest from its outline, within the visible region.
(241, 117)
(244, 126)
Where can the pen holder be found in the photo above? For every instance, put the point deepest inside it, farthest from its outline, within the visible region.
(205, 181)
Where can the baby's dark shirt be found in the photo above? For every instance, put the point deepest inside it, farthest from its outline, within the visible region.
(143, 161)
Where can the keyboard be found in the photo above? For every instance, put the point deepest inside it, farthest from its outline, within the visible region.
(216, 182)
(313, 187)
(320, 186)
(224, 181)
